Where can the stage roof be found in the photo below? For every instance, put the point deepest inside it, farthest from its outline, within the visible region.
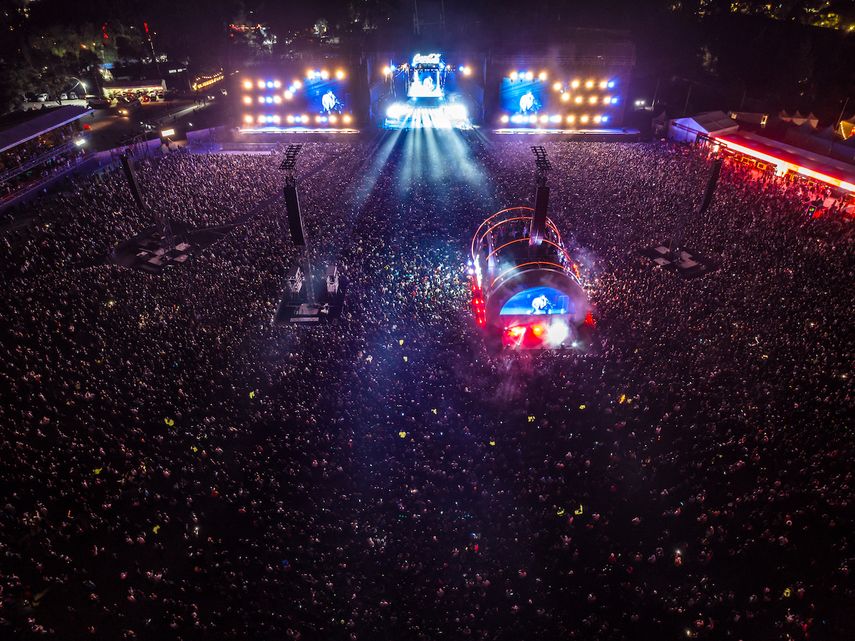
(802, 161)
(23, 127)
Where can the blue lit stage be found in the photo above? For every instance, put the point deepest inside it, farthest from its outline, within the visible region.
(427, 93)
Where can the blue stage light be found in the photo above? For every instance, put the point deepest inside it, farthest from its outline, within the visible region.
(270, 84)
(605, 118)
(611, 84)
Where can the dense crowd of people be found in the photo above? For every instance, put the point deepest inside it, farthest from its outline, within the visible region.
(176, 467)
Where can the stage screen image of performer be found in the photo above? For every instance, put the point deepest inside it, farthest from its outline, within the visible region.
(537, 301)
(522, 93)
(326, 95)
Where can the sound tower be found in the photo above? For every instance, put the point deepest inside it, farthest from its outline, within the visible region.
(713, 181)
(131, 175)
(295, 217)
(538, 221)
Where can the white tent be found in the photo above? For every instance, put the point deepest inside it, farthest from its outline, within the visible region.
(708, 123)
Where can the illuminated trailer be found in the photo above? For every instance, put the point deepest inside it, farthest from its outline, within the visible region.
(526, 295)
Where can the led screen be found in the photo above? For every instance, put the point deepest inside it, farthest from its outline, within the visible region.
(537, 301)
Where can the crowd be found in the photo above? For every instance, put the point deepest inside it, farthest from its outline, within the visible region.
(177, 468)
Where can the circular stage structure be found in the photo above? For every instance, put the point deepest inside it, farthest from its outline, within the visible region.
(525, 295)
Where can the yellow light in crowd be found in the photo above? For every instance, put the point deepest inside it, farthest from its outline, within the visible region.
(247, 119)
(247, 84)
(261, 84)
(575, 84)
(556, 86)
(346, 119)
(592, 100)
(333, 119)
(578, 100)
(541, 76)
(589, 84)
(288, 94)
(571, 119)
(339, 74)
(584, 119)
(247, 100)
(565, 97)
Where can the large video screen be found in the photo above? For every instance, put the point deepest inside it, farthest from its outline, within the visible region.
(316, 98)
(559, 100)
(537, 301)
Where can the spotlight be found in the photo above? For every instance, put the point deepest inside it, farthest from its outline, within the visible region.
(556, 118)
(325, 75)
(333, 118)
(558, 332)
(603, 84)
(504, 119)
(542, 76)
(517, 119)
(592, 100)
(269, 100)
(556, 86)
(589, 84)
(514, 76)
(261, 84)
(529, 76)
(247, 119)
(532, 119)
(575, 84)
(296, 84)
(578, 100)
(565, 97)
(346, 119)
(607, 100)
(317, 118)
(583, 119)
(544, 118)
(611, 84)
(339, 74)
(247, 100)
(304, 118)
(467, 70)
(458, 112)
(290, 119)
(261, 100)
(310, 75)
(261, 120)
(387, 70)
(277, 84)
(571, 119)
(614, 100)
(277, 99)
(605, 118)
(598, 119)
(276, 120)
(247, 84)
(288, 94)
(270, 84)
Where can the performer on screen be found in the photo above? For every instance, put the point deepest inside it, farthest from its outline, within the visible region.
(540, 305)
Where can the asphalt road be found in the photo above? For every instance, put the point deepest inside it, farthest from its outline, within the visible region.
(107, 129)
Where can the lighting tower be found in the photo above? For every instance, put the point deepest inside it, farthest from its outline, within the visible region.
(295, 216)
(541, 199)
